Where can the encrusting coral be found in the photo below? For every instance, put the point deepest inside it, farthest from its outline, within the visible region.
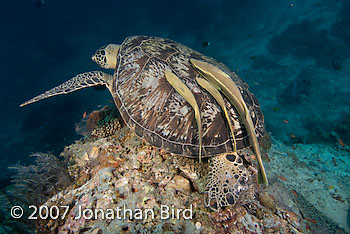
(99, 123)
(107, 129)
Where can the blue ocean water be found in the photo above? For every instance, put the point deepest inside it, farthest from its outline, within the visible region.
(295, 56)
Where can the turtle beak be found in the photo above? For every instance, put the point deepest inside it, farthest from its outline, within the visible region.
(93, 58)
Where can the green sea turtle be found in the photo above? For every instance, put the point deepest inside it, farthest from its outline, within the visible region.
(179, 100)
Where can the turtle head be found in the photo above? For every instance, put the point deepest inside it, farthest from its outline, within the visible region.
(106, 56)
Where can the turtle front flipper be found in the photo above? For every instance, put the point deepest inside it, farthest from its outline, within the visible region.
(186, 93)
(228, 87)
(84, 80)
(227, 179)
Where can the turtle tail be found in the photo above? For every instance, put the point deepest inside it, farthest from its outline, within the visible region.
(84, 80)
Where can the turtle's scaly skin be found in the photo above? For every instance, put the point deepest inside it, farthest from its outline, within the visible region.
(86, 79)
(157, 113)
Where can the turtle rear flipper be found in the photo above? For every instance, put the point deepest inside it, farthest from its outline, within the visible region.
(84, 80)
(227, 180)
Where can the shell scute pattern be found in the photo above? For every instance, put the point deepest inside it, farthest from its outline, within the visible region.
(214, 129)
(158, 113)
(241, 135)
(179, 64)
(131, 43)
(176, 111)
(145, 99)
(210, 112)
(158, 47)
(132, 64)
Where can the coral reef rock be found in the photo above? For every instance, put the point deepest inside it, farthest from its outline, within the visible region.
(123, 185)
